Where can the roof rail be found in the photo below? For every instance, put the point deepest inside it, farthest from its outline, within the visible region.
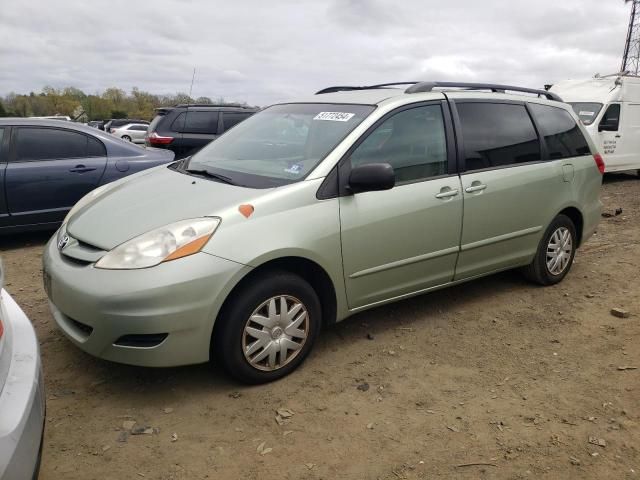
(368, 87)
(418, 87)
(429, 86)
(217, 105)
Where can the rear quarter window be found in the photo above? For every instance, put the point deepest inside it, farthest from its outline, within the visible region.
(561, 133)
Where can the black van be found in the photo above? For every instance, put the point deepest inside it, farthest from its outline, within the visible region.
(185, 129)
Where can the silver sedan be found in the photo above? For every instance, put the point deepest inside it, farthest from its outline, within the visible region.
(22, 404)
(133, 132)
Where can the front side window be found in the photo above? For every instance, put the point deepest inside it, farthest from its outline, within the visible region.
(586, 111)
(49, 143)
(497, 135)
(561, 133)
(196, 122)
(412, 141)
(278, 145)
(611, 119)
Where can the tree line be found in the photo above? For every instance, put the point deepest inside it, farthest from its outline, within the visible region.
(112, 103)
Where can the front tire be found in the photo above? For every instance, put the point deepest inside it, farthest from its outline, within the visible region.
(555, 253)
(267, 328)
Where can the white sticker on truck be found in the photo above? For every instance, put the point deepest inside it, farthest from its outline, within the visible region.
(585, 113)
(334, 116)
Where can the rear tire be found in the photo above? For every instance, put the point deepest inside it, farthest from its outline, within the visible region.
(555, 254)
(126, 137)
(253, 342)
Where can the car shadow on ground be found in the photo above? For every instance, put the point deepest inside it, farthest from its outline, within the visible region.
(620, 177)
(210, 379)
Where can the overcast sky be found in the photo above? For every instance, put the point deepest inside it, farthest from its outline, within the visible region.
(266, 51)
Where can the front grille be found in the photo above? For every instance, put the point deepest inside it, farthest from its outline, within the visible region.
(141, 341)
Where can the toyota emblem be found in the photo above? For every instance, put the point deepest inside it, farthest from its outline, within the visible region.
(63, 242)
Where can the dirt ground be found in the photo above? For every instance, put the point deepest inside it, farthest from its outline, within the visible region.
(515, 378)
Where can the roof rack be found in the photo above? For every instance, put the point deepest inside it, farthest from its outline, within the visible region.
(419, 87)
(217, 105)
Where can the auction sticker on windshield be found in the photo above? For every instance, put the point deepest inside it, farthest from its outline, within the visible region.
(334, 116)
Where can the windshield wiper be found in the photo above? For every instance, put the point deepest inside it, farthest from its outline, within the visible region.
(210, 174)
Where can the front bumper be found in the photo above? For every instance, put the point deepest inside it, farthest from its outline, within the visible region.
(96, 308)
(22, 403)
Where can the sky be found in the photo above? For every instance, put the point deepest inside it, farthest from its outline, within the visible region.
(268, 51)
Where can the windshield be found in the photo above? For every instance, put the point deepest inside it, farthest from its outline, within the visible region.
(586, 111)
(278, 145)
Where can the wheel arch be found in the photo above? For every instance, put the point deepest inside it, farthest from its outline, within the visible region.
(575, 215)
(308, 269)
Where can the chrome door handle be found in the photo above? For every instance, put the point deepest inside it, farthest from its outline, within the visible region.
(447, 194)
(475, 188)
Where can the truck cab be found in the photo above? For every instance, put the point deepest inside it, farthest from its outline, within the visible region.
(609, 108)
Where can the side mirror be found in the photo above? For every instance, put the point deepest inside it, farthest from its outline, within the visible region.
(372, 177)
(608, 126)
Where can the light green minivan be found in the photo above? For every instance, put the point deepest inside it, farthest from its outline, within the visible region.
(312, 210)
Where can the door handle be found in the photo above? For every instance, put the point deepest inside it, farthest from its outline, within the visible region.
(475, 188)
(447, 193)
(618, 136)
(81, 169)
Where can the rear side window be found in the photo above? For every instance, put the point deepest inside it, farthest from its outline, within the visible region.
(497, 135)
(231, 119)
(50, 143)
(196, 122)
(561, 133)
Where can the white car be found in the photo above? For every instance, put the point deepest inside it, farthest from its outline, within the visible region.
(22, 403)
(133, 132)
(609, 107)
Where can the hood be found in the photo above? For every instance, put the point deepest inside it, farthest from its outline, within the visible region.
(158, 197)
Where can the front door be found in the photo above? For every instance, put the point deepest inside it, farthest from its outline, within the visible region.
(404, 240)
(49, 170)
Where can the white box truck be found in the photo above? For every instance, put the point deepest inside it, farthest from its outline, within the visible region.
(609, 107)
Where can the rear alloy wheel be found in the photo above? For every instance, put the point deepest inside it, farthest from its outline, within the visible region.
(267, 328)
(555, 253)
(126, 137)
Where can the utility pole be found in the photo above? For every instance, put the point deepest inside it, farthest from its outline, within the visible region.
(631, 57)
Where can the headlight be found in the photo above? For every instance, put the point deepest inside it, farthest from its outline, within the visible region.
(92, 195)
(161, 245)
